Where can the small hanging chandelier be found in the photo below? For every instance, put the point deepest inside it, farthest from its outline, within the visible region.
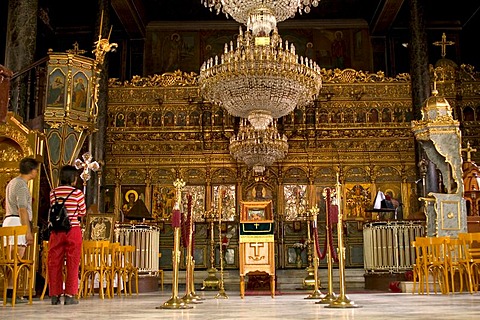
(258, 148)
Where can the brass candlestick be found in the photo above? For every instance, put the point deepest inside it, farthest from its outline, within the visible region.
(342, 301)
(316, 294)
(175, 302)
(190, 295)
(309, 281)
(211, 281)
(330, 296)
(221, 291)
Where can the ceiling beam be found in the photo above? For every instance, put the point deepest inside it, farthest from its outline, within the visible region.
(385, 16)
(131, 14)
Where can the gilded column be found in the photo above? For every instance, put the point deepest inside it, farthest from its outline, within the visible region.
(148, 190)
(208, 189)
(21, 45)
(280, 220)
(117, 203)
(405, 204)
(239, 191)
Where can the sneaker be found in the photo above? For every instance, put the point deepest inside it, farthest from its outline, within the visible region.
(56, 300)
(70, 300)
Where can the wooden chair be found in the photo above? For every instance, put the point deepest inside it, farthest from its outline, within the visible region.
(114, 267)
(94, 262)
(12, 265)
(471, 241)
(44, 259)
(433, 262)
(130, 271)
(160, 273)
(420, 269)
(457, 263)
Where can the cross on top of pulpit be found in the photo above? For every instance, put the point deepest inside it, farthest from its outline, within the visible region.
(256, 225)
(443, 44)
(469, 150)
(76, 49)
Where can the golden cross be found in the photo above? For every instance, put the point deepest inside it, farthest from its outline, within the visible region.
(256, 247)
(256, 225)
(444, 43)
(76, 49)
(469, 150)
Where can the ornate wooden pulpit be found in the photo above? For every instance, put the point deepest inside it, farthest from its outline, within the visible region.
(257, 241)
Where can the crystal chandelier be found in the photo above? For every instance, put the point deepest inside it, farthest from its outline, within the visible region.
(260, 82)
(258, 148)
(264, 13)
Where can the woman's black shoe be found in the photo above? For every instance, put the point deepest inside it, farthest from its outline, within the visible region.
(56, 300)
(70, 300)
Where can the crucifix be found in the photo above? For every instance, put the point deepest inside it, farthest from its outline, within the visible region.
(87, 164)
(443, 44)
(469, 150)
(76, 49)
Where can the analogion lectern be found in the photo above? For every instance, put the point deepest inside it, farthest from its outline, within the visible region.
(257, 241)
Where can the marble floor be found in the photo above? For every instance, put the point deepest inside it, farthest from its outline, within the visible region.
(287, 306)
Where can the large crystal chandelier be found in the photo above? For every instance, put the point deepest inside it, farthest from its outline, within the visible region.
(265, 13)
(258, 148)
(260, 82)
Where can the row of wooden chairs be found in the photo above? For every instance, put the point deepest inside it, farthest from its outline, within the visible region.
(102, 262)
(107, 261)
(13, 266)
(442, 260)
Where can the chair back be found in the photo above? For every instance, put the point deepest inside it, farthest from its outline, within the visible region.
(94, 254)
(471, 242)
(7, 235)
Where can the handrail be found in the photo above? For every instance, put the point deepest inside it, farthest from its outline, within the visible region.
(30, 67)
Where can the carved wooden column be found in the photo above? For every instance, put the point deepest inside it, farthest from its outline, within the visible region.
(208, 189)
(280, 221)
(405, 204)
(117, 207)
(148, 190)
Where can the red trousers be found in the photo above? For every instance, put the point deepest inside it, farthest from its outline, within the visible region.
(64, 248)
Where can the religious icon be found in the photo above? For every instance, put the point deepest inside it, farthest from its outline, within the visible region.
(100, 227)
(79, 97)
(134, 203)
(56, 89)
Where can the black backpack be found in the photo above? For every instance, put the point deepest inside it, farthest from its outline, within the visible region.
(58, 215)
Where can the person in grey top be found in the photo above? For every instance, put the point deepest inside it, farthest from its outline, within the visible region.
(18, 205)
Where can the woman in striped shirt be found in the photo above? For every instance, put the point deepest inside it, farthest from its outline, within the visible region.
(66, 246)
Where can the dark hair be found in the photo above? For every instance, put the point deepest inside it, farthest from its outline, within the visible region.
(27, 165)
(68, 174)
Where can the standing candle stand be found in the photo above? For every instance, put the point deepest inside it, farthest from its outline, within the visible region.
(330, 296)
(342, 301)
(309, 281)
(221, 291)
(211, 282)
(175, 302)
(316, 294)
(190, 295)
